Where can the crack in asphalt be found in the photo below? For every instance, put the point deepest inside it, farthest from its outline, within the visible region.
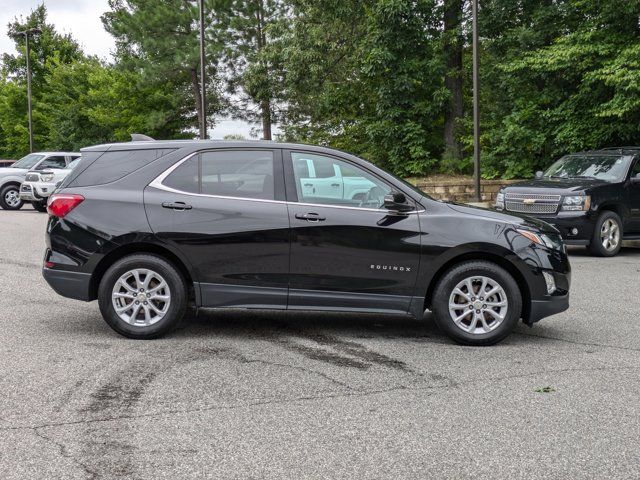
(17, 263)
(573, 342)
(354, 393)
(65, 453)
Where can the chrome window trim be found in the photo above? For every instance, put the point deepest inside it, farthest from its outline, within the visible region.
(157, 183)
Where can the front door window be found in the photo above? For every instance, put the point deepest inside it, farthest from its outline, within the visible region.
(328, 181)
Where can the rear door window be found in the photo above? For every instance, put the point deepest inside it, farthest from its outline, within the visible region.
(226, 173)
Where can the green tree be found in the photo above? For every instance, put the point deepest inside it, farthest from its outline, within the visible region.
(367, 77)
(47, 47)
(159, 38)
(244, 30)
(557, 77)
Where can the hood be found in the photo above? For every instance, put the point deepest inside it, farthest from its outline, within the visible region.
(511, 218)
(8, 171)
(555, 185)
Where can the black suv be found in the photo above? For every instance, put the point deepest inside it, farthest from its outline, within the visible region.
(149, 227)
(593, 198)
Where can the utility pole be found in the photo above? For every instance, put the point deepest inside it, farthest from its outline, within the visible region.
(26, 33)
(476, 102)
(203, 98)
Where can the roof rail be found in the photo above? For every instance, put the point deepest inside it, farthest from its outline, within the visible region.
(138, 137)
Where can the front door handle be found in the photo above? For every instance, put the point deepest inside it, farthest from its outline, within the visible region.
(310, 217)
(179, 206)
(335, 184)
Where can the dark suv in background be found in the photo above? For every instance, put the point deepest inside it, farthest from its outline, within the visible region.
(148, 227)
(593, 198)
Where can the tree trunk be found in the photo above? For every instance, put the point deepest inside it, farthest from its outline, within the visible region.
(265, 103)
(265, 106)
(453, 75)
(195, 84)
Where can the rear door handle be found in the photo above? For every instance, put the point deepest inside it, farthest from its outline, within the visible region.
(335, 184)
(180, 206)
(310, 217)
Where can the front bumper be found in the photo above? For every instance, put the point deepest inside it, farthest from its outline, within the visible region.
(545, 308)
(36, 192)
(576, 228)
(69, 284)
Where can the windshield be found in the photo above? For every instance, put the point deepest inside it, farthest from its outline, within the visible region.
(74, 164)
(28, 162)
(601, 167)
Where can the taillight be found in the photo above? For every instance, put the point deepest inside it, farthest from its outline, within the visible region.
(60, 204)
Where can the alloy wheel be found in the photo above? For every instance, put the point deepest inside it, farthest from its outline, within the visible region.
(478, 305)
(610, 234)
(141, 297)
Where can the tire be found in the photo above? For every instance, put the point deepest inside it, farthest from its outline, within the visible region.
(493, 329)
(610, 244)
(10, 198)
(39, 206)
(143, 323)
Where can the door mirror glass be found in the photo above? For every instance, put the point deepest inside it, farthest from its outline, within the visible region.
(539, 174)
(396, 201)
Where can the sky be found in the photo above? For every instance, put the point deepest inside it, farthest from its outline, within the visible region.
(81, 18)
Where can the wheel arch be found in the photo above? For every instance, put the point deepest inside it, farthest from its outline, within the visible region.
(499, 260)
(140, 247)
(616, 208)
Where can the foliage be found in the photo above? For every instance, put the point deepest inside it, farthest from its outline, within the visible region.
(558, 77)
(159, 40)
(374, 77)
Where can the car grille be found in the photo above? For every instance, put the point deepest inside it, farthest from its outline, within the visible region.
(32, 177)
(532, 203)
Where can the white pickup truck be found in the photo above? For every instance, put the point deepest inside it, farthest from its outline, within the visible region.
(340, 186)
(39, 185)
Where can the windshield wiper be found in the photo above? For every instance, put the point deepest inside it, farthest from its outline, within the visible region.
(585, 176)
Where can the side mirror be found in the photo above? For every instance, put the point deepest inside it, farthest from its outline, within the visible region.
(636, 180)
(396, 201)
(539, 174)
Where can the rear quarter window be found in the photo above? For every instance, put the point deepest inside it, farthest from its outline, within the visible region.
(113, 165)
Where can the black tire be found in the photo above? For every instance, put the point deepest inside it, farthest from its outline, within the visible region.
(39, 206)
(177, 288)
(597, 247)
(445, 287)
(15, 189)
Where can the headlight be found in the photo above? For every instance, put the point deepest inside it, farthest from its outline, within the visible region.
(499, 200)
(46, 177)
(576, 203)
(543, 239)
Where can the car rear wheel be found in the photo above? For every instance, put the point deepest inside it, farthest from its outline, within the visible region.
(142, 296)
(477, 303)
(39, 206)
(10, 198)
(607, 235)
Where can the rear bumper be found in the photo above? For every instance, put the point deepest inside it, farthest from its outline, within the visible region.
(73, 285)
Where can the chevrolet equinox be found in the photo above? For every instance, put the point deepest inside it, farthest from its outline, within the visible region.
(149, 227)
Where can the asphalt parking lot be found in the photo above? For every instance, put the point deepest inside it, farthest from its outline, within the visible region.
(262, 395)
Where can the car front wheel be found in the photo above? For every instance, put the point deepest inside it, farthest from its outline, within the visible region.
(607, 235)
(477, 303)
(142, 296)
(10, 198)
